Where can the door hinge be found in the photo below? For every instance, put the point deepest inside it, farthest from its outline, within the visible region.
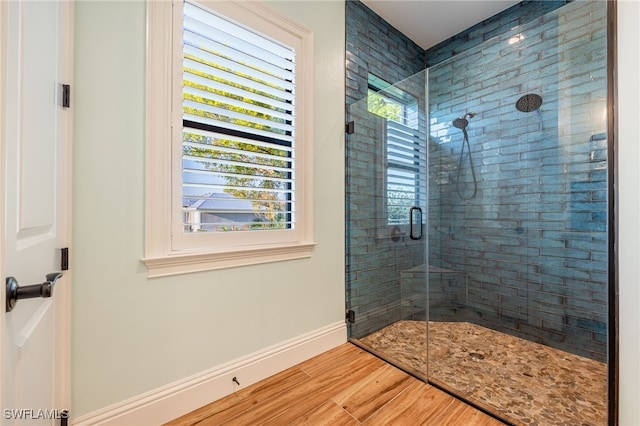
(64, 259)
(66, 96)
(351, 316)
(350, 127)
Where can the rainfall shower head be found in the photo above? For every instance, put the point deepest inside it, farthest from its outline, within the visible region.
(462, 122)
(529, 103)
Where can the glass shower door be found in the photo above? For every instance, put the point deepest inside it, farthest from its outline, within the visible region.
(386, 198)
(518, 220)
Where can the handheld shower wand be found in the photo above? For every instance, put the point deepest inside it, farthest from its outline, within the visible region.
(462, 123)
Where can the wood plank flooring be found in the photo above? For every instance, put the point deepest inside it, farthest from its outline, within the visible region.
(344, 386)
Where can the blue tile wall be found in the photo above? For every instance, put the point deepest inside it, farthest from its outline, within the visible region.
(533, 241)
(474, 36)
(528, 254)
(375, 46)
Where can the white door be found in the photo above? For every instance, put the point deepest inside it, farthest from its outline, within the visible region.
(35, 212)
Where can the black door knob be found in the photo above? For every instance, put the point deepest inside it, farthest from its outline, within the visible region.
(15, 292)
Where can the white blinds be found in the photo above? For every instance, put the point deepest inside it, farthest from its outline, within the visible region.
(406, 172)
(238, 127)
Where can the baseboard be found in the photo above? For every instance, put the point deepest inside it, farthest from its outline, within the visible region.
(175, 399)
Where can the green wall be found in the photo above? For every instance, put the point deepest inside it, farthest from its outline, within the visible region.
(132, 334)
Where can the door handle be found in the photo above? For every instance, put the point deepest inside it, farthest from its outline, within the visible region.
(15, 292)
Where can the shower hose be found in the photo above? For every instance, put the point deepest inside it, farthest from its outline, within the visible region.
(465, 142)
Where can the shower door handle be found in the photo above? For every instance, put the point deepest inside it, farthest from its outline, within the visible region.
(415, 223)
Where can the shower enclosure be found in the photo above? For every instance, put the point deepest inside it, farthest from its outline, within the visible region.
(477, 221)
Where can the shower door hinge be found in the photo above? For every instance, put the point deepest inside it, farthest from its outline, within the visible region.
(350, 127)
(351, 316)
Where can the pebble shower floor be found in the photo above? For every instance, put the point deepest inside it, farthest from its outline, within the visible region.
(523, 382)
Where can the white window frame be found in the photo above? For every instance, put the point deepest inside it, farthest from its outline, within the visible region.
(165, 253)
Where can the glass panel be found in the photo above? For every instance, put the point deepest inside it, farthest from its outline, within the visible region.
(503, 298)
(386, 242)
(518, 220)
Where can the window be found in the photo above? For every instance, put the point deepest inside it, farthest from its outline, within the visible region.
(238, 124)
(229, 132)
(405, 150)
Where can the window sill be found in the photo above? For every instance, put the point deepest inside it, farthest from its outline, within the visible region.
(184, 263)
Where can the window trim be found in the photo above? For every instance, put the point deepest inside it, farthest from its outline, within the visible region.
(161, 258)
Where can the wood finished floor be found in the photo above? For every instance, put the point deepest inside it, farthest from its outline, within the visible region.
(344, 386)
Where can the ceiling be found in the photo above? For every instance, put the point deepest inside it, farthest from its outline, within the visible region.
(428, 22)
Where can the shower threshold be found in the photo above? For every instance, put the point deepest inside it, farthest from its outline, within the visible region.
(519, 381)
